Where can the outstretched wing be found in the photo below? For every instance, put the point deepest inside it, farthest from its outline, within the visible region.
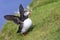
(13, 18)
(21, 9)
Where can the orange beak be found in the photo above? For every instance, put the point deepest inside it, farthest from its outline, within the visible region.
(30, 13)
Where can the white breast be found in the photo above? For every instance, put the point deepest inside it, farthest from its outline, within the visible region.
(26, 25)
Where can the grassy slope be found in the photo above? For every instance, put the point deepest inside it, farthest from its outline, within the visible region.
(46, 23)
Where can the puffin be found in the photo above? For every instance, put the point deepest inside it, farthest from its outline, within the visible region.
(24, 22)
(27, 24)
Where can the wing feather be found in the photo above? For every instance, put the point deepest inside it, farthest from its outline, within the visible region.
(21, 9)
(13, 18)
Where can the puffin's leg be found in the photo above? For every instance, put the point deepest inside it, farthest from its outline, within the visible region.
(24, 34)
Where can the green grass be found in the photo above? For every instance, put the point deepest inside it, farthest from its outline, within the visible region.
(46, 23)
(36, 3)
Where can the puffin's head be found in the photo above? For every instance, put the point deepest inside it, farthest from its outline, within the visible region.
(27, 12)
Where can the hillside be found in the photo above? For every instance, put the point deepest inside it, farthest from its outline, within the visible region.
(46, 23)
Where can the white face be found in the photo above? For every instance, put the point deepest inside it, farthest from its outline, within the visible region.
(26, 13)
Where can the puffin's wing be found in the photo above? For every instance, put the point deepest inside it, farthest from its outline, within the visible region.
(20, 28)
(21, 9)
(13, 18)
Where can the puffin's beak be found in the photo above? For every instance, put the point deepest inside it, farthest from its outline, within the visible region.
(30, 13)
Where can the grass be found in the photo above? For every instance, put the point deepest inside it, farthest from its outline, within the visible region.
(36, 3)
(46, 24)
